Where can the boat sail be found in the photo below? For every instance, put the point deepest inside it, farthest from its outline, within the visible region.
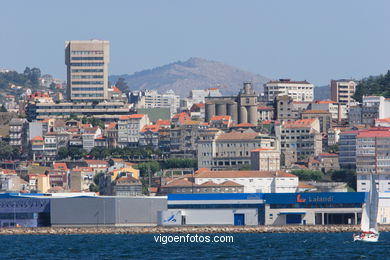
(369, 223)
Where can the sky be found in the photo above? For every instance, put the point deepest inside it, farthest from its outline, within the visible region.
(301, 39)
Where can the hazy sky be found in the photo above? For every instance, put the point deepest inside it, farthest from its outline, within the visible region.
(300, 39)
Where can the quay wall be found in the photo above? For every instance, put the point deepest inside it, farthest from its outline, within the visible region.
(185, 229)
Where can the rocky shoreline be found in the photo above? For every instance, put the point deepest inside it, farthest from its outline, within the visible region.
(184, 230)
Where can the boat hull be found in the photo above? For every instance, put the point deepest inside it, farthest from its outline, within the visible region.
(366, 237)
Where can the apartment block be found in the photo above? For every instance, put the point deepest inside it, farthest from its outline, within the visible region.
(299, 140)
(342, 91)
(297, 90)
(373, 157)
(87, 70)
(129, 128)
(347, 149)
(221, 151)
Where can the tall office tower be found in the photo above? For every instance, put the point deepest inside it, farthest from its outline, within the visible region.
(87, 69)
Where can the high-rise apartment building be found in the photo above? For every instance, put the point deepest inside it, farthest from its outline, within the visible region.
(87, 70)
(342, 91)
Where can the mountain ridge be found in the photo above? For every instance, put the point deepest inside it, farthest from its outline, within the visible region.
(194, 73)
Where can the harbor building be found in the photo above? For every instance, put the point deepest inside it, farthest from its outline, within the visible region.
(242, 108)
(87, 70)
(325, 208)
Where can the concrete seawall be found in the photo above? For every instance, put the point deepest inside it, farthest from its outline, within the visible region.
(183, 230)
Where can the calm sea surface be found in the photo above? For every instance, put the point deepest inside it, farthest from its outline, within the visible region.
(245, 246)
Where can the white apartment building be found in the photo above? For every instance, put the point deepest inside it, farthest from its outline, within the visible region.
(374, 107)
(265, 159)
(253, 181)
(373, 156)
(298, 90)
(129, 128)
(221, 151)
(153, 99)
(339, 111)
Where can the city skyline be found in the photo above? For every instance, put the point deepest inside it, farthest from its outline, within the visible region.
(301, 40)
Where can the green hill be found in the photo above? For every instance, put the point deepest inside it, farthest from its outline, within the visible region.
(373, 85)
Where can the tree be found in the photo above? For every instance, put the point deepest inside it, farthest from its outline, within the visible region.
(99, 152)
(180, 163)
(308, 175)
(77, 153)
(148, 168)
(344, 175)
(8, 152)
(122, 85)
(3, 109)
(93, 121)
(63, 153)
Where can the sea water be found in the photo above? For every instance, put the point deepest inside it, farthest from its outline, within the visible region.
(244, 246)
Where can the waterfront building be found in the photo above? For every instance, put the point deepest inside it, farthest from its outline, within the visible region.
(297, 90)
(373, 157)
(342, 91)
(87, 70)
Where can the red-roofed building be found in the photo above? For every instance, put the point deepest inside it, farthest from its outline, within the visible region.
(129, 128)
(149, 136)
(221, 122)
(265, 113)
(180, 118)
(373, 156)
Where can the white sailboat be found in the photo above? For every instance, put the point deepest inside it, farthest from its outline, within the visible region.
(369, 224)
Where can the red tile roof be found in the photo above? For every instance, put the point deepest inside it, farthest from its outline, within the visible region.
(152, 128)
(262, 149)
(217, 118)
(96, 162)
(300, 123)
(37, 138)
(133, 116)
(264, 108)
(244, 125)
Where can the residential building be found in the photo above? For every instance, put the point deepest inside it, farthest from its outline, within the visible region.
(129, 128)
(342, 91)
(221, 122)
(149, 137)
(347, 149)
(328, 161)
(89, 136)
(289, 110)
(18, 133)
(339, 111)
(355, 115)
(222, 151)
(184, 139)
(373, 157)
(265, 159)
(153, 99)
(127, 186)
(299, 140)
(81, 178)
(242, 108)
(106, 111)
(374, 107)
(265, 113)
(297, 90)
(324, 117)
(87, 70)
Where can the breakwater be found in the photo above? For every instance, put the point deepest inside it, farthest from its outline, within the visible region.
(184, 229)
